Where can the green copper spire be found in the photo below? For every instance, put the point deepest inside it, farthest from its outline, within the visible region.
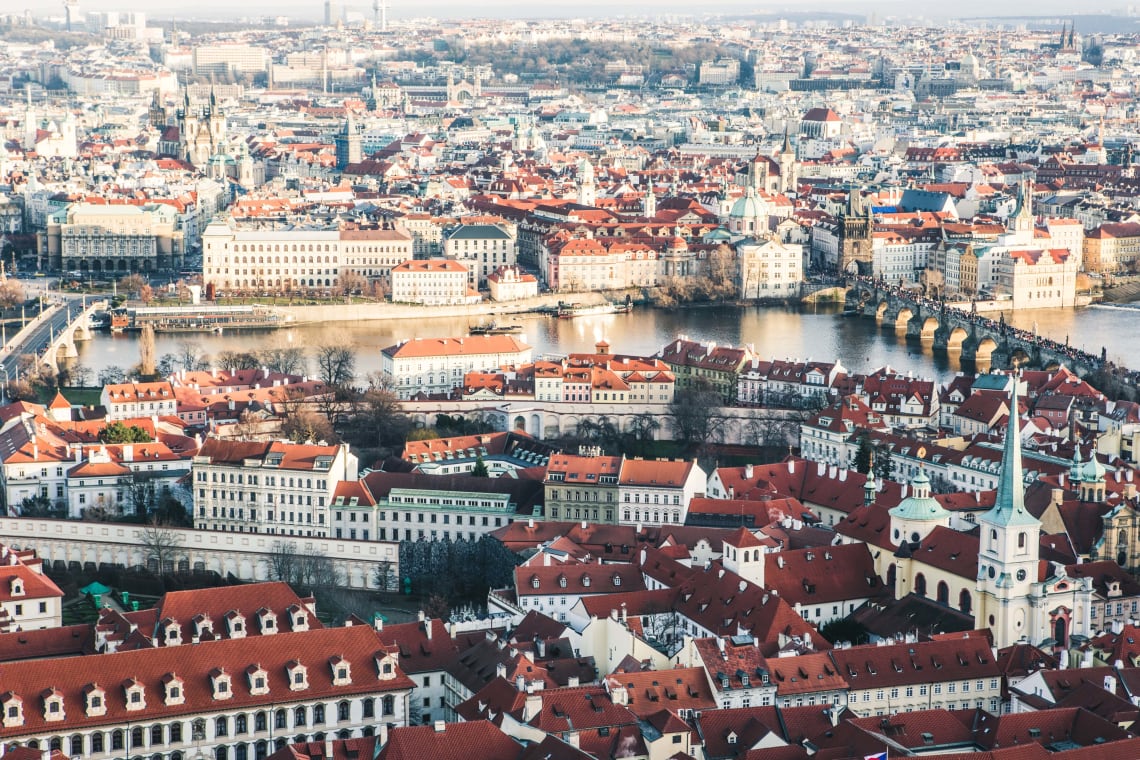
(1009, 506)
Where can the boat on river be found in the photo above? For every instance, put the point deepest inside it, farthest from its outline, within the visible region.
(570, 310)
(494, 328)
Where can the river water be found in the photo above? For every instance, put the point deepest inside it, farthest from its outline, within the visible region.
(819, 333)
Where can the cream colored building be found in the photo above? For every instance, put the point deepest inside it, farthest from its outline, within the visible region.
(95, 239)
(769, 268)
(437, 282)
(482, 248)
(509, 284)
(238, 258)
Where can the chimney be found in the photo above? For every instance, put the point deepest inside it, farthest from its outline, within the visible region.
(748, 472)
(128, 453)
(791, 466)
(439, 726)
(427, 628)
(623, 612)
(382, 739)
(328, 746)
(572, 681)
(532, 706)
(520, 682)
(572, 738)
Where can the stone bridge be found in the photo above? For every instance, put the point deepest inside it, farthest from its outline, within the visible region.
(977, 339)
(62, 345)
(246, 556)
(546, 420)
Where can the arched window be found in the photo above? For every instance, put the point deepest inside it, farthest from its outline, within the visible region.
(891, 570)
(299, 716)
(241, 724)
(318, 714)
(389, 705)
(137, 736)
(221, 753)
(259, 722)
(943, 593)
(221, 726)
(920, 584)
(76, 747)
(1021, 540)
(96, 742)
(156, 734)
(342, 710)
(175, 732)
(965, 602)
(280, 720)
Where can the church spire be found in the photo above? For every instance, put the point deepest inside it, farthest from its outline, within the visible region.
(1009, 504)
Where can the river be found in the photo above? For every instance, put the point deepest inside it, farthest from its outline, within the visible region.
(819, 333)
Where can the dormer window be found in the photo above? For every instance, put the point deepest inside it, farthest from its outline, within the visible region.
(135, 696)
(297, 618)
(175, 692)
(298, 676)
(172, 633)
(53, 704)
(385, 666)
(221, 682)
(534, 582)
(96, 701)
(13, 707)
(617, 580)
(258, 680)
(235, 624)
(267, 620)
(16, 587)
(341, 673)
(203, 624)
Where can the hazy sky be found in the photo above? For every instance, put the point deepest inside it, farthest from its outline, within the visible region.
(508, 8)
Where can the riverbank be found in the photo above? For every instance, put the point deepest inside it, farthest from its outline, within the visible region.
(367, 312)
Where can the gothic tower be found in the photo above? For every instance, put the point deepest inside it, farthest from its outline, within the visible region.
(855, 230)
(789, 167)
(157, 113)
(348, 144)
(1009, 544)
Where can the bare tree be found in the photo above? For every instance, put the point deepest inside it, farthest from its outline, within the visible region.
(353, 283)
(694, 415)
(282, 561)
(162, 547)
(336, 364)
(288, 360)
(190, 356)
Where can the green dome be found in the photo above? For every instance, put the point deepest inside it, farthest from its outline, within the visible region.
(920, 506)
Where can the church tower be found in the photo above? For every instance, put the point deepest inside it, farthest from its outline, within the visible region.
(1021, 225)
(587, 191)
(789, 167)
(649, 203)
(1008, 550)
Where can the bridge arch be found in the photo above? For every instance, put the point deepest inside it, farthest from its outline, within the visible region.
(1019, 357)
(880, 312)
(929, 327)
(904, 318)
(985, 352)
(957, 337)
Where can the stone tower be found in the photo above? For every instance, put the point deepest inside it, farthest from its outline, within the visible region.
(348, 144)
(856, 227)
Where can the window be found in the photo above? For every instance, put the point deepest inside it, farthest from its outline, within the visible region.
(342, 711)
(318, 714)
(299, 716)
(259, 722)
(222, 726)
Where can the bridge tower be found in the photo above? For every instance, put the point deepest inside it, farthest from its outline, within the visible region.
(856, 227)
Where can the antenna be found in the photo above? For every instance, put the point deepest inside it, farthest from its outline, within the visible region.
(383, 15)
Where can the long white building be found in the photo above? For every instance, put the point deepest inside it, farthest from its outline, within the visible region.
(259, 259)
(437, 365)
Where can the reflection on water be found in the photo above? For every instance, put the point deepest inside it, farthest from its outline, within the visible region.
(820, 333)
